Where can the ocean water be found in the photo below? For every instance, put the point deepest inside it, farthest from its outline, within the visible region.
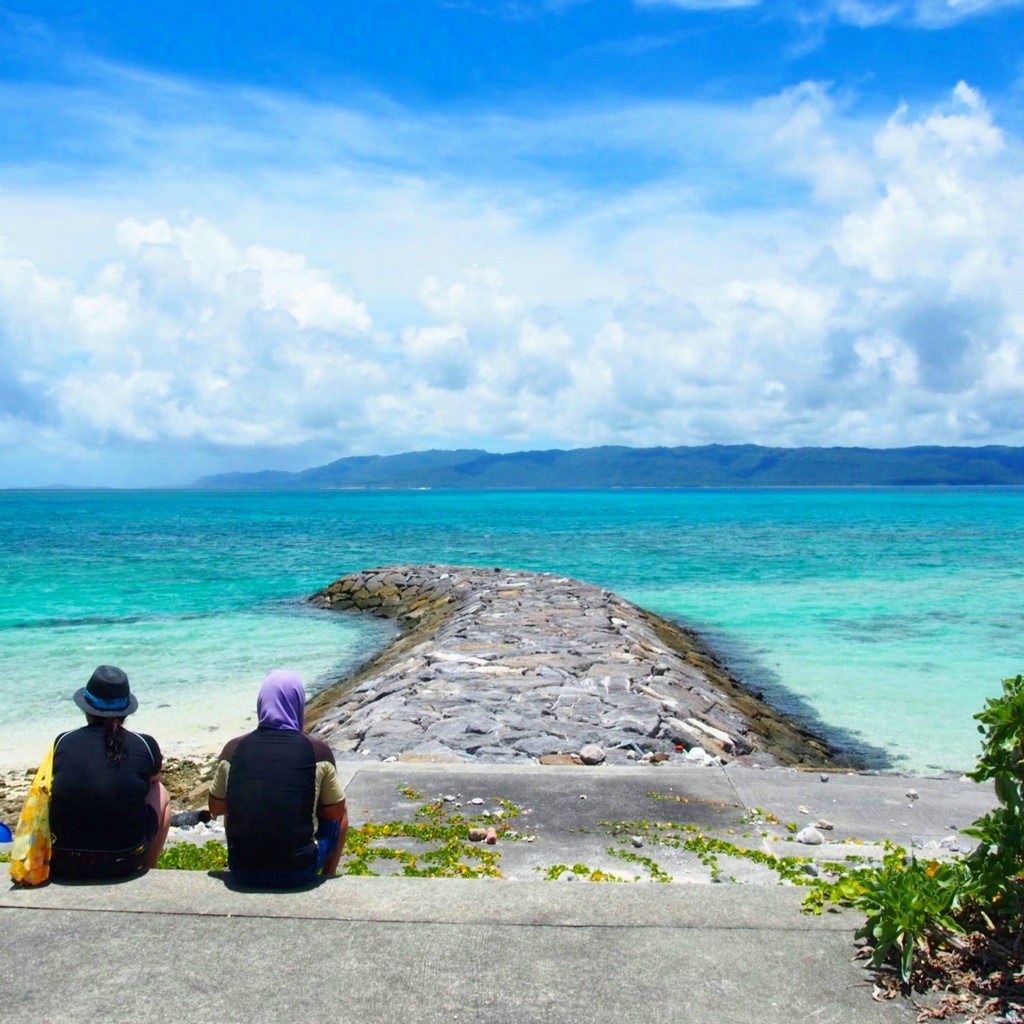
(882, 617)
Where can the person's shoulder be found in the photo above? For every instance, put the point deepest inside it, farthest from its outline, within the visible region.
(231, 746)
(150, 745)
(143, 736)
(321, 751)
(66, 740)
(83, 734)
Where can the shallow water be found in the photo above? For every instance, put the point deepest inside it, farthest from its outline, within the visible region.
(887, 616)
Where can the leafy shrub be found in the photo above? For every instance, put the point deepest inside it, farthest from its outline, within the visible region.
(998, 863)
(910, 907)
(914, 907)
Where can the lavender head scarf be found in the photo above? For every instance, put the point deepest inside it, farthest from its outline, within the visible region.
(282, 701)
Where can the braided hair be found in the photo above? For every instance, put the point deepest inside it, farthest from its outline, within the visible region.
(113, 738)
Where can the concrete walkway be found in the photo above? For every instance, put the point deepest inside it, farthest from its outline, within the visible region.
(577, 815)
(179, 946)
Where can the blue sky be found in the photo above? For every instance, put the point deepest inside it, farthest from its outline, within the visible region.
(270, 236)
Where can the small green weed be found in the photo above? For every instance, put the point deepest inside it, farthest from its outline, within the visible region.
(581, 871)
(655, 795)
(440, 837)
(655, 872)
(187, 857)
(435, 844)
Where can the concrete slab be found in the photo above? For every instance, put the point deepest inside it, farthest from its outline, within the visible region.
(588, 815)
(573, 815)
(871, 808)
(181, 947)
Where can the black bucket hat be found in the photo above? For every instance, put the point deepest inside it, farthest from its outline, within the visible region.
(107, 694)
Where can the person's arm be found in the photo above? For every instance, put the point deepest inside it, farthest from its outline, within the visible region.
(331, 806)
(333, 812)
(217, 800)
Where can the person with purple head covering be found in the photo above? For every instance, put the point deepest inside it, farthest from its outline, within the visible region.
(281, 703)
(285, 813)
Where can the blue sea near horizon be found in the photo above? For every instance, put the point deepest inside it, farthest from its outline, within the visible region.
(883, 617)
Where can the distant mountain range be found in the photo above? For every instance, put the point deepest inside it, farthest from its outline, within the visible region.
(610, 467)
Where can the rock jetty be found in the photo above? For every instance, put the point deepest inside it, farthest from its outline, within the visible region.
(505, 666)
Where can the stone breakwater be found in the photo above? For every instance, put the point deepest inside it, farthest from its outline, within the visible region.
(504, 666)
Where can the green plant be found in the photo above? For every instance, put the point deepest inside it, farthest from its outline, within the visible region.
(846, 890)
(187, 857)
(554, 872)
(653, 870)
(439, 838)
(910, 908)
(996, 866)
(913, 907)
(581, 871)
(435, 844)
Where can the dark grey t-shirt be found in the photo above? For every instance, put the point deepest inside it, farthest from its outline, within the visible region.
(94, 807)
(273, 781)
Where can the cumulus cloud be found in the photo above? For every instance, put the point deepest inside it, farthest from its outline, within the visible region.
(185, 338)
(807, 146)
(944, 212)
(480, 298)
(870, 297)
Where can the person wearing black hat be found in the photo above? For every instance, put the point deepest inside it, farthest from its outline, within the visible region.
(109, 812)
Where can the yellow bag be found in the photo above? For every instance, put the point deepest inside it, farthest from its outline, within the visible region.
(30, 855)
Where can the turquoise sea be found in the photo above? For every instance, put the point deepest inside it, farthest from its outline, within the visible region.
(885, 617)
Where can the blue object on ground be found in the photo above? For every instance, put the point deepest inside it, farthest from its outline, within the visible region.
(5, 834)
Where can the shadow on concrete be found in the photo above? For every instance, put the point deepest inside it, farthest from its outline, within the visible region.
(230, 882)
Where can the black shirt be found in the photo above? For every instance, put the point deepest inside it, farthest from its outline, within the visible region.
(94, 807)
(271, 797)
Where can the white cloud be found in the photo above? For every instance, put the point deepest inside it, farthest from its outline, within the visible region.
(700, 5)
(866, 13)
(929, 14)
(866, 293)
(926, 14)
(480, 298)
(807, 147)
(944, 212)
(188, 338)
(439, 356)
(939, 13)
